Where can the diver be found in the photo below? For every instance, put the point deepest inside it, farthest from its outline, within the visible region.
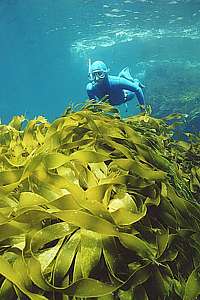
(116, 89)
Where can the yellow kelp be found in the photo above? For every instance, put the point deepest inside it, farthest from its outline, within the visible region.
(95, 206)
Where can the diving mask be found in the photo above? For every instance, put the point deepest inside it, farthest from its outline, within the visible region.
(97, 71)
(96, 75)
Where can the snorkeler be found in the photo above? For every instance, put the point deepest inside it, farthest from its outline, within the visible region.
(118, 89)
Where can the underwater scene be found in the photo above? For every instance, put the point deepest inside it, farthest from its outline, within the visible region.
(100, 149)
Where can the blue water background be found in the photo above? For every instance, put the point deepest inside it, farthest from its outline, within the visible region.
(45, 46)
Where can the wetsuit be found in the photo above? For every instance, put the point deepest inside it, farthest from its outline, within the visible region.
(119, 89)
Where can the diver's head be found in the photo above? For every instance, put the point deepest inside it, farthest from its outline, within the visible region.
(98, 71)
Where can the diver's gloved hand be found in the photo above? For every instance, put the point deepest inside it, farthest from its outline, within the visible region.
(142, 108)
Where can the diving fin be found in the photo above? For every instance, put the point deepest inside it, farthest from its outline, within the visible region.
(125, 73)
(137, 81)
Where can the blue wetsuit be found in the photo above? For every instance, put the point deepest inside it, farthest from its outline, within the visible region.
(118, 89)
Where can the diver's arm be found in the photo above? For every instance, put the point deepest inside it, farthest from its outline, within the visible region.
(90, 92)
(133, 87)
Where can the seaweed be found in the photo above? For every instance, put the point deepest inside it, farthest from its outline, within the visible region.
(95, 206)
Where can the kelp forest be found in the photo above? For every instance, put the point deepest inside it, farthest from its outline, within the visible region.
(94, 206)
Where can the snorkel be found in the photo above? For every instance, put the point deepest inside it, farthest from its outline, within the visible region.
(89, 70)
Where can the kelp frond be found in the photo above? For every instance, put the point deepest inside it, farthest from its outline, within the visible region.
(94, 206)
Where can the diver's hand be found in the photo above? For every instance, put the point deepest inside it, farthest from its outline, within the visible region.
(142, 108)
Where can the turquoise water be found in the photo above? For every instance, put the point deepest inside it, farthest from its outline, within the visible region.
(45, 46)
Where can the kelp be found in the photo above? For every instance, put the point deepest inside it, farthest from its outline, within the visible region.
(95, 206)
